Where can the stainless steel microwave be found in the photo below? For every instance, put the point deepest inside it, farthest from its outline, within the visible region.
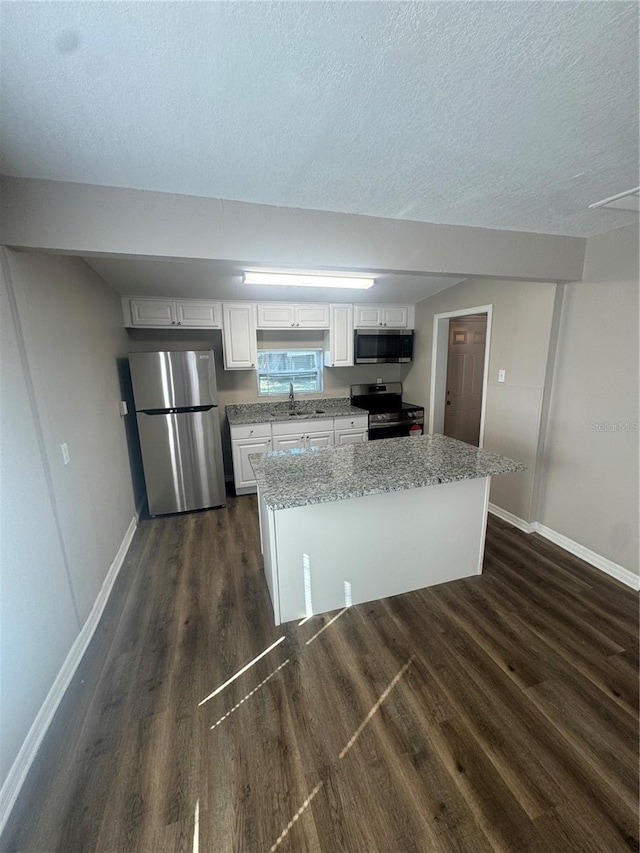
(375, 346)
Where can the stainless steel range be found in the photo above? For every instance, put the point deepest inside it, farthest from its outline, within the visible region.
(389, 417)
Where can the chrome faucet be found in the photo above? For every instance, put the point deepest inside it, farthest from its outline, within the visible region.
(291, 401)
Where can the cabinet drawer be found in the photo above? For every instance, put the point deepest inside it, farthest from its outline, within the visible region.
(293, 426)
(352, 422)
(250, 431)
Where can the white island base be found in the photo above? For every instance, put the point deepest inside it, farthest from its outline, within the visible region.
(325, 556)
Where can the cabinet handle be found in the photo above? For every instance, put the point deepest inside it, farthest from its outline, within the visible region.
(250, 432)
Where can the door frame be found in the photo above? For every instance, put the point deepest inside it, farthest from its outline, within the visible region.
(439, 358)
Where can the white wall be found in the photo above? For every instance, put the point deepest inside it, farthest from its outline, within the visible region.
(520, 336)
(589, 489)
(61, 525)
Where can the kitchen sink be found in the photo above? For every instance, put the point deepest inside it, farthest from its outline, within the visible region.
(306, 414)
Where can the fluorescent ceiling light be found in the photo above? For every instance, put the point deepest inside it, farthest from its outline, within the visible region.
(294, 279)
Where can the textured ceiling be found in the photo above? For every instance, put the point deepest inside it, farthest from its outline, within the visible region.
(511, 115)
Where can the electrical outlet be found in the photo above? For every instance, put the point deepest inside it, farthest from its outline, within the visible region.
(65, 453)
(502, 375)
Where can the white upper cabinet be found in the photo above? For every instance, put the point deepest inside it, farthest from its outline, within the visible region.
(199, 315)
(239, 335)
(338, 347)
(158, 313)
(285, 315)
(149, 312)
(390, 316)
(275, 315)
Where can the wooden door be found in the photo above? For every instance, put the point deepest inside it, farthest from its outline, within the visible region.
(465, 374)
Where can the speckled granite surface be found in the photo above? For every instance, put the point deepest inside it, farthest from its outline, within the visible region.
(298, 478)
(262, 413)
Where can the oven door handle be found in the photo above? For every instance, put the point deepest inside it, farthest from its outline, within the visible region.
(388, 424)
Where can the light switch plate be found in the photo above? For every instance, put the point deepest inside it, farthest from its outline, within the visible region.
(501, 375)
(124, 409)
(65, 453)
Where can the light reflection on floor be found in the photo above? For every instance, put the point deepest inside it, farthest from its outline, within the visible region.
(373, 710)
(255, 689)
(324, 627)
(196, 828)
(296, 817)
(241, 671)
(345, 749)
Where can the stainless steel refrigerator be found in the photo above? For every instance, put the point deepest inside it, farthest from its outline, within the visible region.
(178, 418)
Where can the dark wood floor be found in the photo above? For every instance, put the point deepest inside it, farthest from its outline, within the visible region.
(497, 713)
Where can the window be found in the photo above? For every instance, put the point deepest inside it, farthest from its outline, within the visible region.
(277, 368)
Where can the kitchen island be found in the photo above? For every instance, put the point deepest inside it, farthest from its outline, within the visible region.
(345, 525)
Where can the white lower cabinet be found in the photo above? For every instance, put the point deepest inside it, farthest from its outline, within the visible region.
(301, 435)
(252, 438)
(350, 436)
(351, 430)
(291, 434)
(319, 439)
(289, 442)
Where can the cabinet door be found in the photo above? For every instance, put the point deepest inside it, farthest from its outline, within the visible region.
(339, 339)
(395, 316)
(199, 315)
(288, 442)
(312, 316)
(276, 315)
(367, 316)
(239, 336)
(319, 439)
(243, 476)
(350, 436)
(153, 312)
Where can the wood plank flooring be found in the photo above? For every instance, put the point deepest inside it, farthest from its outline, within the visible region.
(497, 713)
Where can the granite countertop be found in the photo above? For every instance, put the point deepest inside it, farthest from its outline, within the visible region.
(262, 413)
(298, 478)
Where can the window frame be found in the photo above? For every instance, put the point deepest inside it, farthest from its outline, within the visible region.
(290, 375)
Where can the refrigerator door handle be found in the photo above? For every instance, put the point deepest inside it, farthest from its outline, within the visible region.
(178, 411)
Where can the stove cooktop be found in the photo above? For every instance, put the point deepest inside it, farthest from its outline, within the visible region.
(384, 403)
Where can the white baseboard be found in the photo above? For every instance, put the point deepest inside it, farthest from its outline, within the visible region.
(605, 565)
(597, 560)
(29, 749)
(510, 518)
